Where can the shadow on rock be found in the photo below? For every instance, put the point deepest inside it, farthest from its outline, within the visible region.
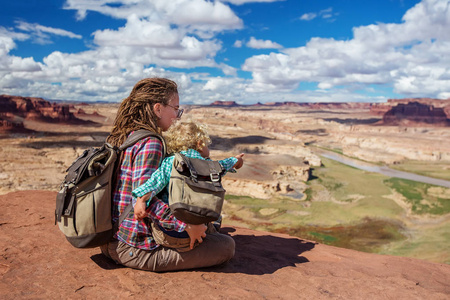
(219, 143)
(255, 255)
(353, 121)
(265, 254)
(104, 262)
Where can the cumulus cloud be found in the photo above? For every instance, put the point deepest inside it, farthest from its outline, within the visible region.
(409, 56)
(201, 17)
(262, 44)
(9, 64)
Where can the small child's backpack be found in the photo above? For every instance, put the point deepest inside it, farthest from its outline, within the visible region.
(83, 204)
(196, 193)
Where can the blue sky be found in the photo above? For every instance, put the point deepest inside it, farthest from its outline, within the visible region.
(246, 51)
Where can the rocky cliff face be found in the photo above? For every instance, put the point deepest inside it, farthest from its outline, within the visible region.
(15, 109)
(415, 113)
(225, 103)
(406, 108)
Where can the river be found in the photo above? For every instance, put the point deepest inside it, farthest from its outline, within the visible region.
(382, 169)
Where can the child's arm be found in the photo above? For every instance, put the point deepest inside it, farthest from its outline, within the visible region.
(232, 162)
(155, 184)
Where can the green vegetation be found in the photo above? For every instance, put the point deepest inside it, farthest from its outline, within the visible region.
(356, 209)
(417, 195)
(368, 235)
(426, 242)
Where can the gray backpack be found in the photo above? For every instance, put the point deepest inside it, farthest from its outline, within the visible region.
(83, 204)
(196, 193)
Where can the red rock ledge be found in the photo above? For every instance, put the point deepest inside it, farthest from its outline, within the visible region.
(37, 262)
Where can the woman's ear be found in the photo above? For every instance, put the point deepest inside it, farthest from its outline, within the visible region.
(157, 110)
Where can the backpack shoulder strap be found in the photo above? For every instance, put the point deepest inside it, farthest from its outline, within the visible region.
(139, 135)
(130, 141)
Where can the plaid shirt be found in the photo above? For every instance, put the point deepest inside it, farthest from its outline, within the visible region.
(138, 164)
(161, 177)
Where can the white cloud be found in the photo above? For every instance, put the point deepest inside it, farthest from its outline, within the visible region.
(140, 32)
(228, 70)
(308, 16)
(324, 14)
(201, 17)
(411, 56)
(237, 44)
(262, 44)
(10, 64)
(42, 34)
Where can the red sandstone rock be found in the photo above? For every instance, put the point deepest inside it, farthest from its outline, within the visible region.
(224, 103)
(382, 108)
(36, 262)
(415, 113)
(8, 126)
(37, 109)
(81, 111)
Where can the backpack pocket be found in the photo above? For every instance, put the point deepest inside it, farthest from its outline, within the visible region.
(86, 220)
(195, 202)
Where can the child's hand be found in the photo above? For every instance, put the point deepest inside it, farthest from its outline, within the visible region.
(139, 209)
(240, 161)
(196, 233)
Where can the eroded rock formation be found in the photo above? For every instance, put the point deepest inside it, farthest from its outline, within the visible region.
(31, 108)
(415, 113)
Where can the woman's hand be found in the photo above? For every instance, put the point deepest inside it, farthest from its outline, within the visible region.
(196, 233)
(240, 161)
(140, 208)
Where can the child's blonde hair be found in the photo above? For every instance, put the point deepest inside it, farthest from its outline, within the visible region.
(185, 135)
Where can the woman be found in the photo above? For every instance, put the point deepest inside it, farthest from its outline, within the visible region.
(153, 104)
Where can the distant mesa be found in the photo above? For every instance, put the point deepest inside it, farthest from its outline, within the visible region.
(225, 103)
(14, 110)
(381, 108)
(413, 112)
(416, 114)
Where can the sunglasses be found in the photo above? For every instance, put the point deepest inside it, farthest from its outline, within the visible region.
(178, 110)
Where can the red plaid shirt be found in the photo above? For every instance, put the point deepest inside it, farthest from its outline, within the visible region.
(139, 162)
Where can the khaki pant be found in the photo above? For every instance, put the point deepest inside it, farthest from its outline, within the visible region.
(216, 249)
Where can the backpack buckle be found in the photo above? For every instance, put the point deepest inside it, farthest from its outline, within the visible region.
(215, 177)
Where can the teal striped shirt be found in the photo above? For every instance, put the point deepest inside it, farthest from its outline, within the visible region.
(161, 177)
